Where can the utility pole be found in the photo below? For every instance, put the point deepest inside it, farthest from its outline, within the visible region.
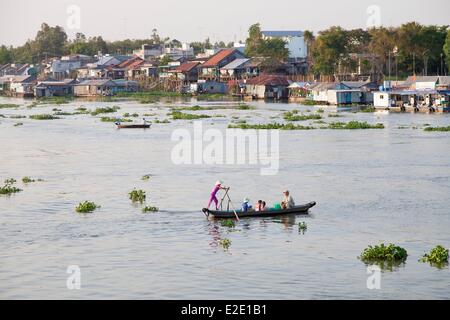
(414, 64)
(442, 67)
(389, 65)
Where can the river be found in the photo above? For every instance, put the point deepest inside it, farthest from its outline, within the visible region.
(371, 186)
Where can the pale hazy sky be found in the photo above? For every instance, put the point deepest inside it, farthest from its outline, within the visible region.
(197, 19)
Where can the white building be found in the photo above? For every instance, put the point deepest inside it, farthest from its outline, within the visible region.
(149, 51)
(186, 51)
(295, 42)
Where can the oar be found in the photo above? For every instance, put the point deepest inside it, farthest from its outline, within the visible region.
(235, 213)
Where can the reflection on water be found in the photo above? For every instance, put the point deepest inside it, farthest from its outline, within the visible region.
(388, 185)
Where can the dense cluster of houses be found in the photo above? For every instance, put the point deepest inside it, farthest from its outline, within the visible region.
(217, 70)
(220, 70)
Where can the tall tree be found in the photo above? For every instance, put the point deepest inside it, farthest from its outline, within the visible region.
(5, 55)
(254, 40)
(446, 49)
(329, 49)
(50, 41)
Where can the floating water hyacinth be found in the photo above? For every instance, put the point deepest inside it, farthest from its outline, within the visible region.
(438, 256)
(86, 207)
(8, 187)
(137, 195)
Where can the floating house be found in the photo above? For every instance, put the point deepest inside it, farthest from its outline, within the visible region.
(428, 100)
(54, 88)
(19, 86)
(210, 87)
(98, 87)
(342, 93)
(267, 87)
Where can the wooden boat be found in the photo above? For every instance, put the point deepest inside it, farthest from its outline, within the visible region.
(301, 209)
(132, 126)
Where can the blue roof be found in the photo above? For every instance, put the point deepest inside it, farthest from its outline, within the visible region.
(282, 33)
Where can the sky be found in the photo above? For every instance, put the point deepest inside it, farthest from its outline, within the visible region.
(198, 19)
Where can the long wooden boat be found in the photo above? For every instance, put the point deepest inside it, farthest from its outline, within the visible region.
(301, 209)
(133, 126)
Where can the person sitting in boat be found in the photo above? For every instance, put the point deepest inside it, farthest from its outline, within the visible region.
(263, 206)
(288, 201)
(258, 206)
(245, 206)
(214, 191)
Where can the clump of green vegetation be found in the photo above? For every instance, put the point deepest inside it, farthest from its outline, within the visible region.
(111, 119)
(320, 122)
(2, 116)
(98, 111)
(302, 227)
(291, 116)
(194, 108)
(8, 187)
(269, 126)
(244, 107)
(438, 256)
(240, 121)
(161, 121)
(134, 115)
(228, 223)
(18, 124)
(177, 115)
(149, 209)
(149, 114)
(27, 180)
(368, 110)
(54, 100)
(81, 110)
(320, 111)
(8, 105)
(352, 125)
(43, 117)
(313, 103)
(437, 129)
(334, 115)
(56, 109)
(146, 177)
(391, 253)
(63, 113)
(137, 195)
(225, 243)
(17, 116)
(86, 207)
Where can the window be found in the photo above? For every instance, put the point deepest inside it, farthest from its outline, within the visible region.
(381, 96)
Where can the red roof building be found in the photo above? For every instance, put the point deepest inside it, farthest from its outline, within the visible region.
(210, 70)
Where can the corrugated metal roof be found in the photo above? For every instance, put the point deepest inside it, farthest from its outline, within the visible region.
(235, 64)
(444, 80)
(95, 82)
(269, 80)
(282, 33)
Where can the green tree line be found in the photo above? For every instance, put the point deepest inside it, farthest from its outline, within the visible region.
(411, 48)
(407, 49)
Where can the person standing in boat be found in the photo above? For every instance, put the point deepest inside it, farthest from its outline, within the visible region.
(214, 191)
(288, 201)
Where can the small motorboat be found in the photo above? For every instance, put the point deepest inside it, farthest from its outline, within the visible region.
(218, 214)
(132, 126)
(144, 125)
